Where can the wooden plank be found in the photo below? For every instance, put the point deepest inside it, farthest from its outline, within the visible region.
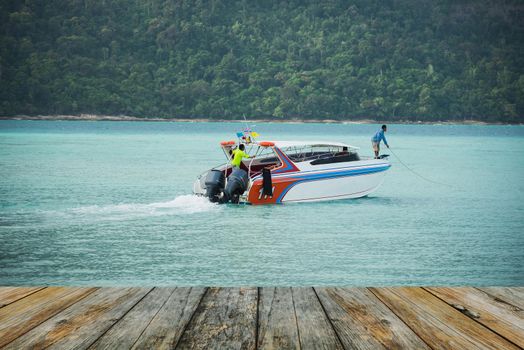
(363, 322)
(21, 316)
(277, 323)
(505, 319)
(437, 323)
(127, 330)
(166, 328)
(315, 330)
(83, 323)
(225, 318)
(510, 295)
(76, 318)
(9, 295)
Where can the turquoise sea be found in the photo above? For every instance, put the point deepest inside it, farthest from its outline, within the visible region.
(109, 203)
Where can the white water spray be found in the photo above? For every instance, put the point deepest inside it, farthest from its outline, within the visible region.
(181, 205)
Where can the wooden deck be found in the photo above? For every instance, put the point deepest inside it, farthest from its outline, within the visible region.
(270, 318)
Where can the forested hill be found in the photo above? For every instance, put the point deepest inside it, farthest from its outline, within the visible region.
(386, 59)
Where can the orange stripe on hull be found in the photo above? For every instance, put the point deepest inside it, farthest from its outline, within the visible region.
(279, 185)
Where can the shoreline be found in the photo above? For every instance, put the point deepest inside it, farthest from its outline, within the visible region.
(93, 117)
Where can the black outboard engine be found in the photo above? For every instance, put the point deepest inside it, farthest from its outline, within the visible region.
(236, 185)
(215, 182)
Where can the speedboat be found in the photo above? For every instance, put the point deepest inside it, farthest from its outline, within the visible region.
(292, 171)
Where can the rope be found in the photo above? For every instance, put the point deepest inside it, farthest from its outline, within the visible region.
(417, 174)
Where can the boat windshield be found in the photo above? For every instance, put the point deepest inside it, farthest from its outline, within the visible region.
(264, 157)
(309, 153)
(321, 154)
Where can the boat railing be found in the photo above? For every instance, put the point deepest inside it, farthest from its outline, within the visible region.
(249, 167)
(257, 153)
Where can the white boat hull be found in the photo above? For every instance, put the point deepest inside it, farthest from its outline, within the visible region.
(336, 181)
(338, 188)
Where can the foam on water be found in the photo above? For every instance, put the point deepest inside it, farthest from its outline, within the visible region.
(181, 205)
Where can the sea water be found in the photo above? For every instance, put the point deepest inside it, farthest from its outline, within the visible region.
(110, 203)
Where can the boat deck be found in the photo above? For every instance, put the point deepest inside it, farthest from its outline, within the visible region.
(249, 318)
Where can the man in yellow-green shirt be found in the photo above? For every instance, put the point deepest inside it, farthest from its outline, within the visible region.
(238, 154)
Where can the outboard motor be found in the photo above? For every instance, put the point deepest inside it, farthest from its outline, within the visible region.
(236, 185)
(215, 182)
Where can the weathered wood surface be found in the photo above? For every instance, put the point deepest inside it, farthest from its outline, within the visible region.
(28, 312)
(225, 319)
(440, 325)
(83, 323)
(265, 318)
(362, 322)
(505, 319)
(314, 327)
(9, 295)
(277, 322)
(513, 296)
(169, 323)
(127, 330)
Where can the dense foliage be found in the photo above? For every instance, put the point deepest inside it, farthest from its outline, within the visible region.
(388, 59)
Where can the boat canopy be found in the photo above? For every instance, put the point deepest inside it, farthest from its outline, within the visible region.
(286, 144)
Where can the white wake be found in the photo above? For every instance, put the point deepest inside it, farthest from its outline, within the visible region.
(181, 205)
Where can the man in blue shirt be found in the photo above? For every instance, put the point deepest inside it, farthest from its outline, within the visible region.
(375, 140)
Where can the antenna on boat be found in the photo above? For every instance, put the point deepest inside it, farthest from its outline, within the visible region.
(247, 134)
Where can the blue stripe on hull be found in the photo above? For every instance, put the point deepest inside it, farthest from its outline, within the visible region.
(332, 175)
(277, 174)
